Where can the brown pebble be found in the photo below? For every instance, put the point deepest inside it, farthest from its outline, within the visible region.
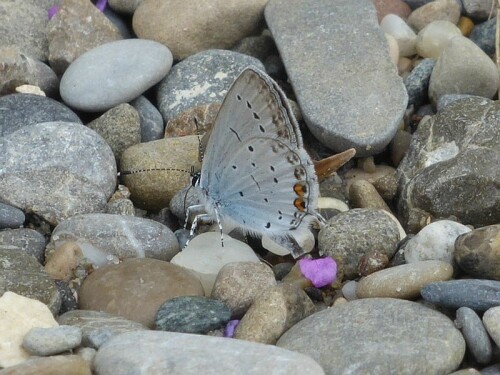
(363, 194)
(465, 25)
(194, 121)
(372, 262)
(64, 260)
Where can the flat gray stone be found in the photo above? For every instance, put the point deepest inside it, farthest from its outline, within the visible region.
(114, 73)
(338, 62)
(10, 217)
(91, 322)
(451, 167)
(56, 170)
(22, 274)
(187, 354)
(201, 79)
(53, 340)
(18, 110)
(116, 235)
(479, 295)
(378, 336)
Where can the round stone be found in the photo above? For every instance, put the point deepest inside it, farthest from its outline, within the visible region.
(114, 73)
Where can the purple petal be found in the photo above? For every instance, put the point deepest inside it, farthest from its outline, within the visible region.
(231, 328)
(53, 11)
(321, 271)
(101, 4)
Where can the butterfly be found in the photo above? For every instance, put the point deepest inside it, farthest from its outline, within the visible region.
(256, 174)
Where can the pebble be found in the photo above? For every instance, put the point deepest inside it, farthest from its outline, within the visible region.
(477, 252)
(19, 315)
(239, 284)
(27, 240)
(20, 110)
(362, 335)
(479, 295)
(414, 4)
(261, 47)
(114, 73)
(350, 235)
(152, 127)
(48, 341)
(63, 263)
(77, 28)
(202, 20)
(19, 69)
(120, 127)
(397, 7)
(442, 10)
(22, 274)
(404, 35)
(214, 355)
(466, 25)
(205, 256)
(273, 312)
(125, 6)
(30, 37)
(194, 121)
(491, 320)
(475, 334)
(102, 235)
(463, 68)
(444, 160)
(310, 25)
(68, 298)
(404, 281)
(153, 190)
(203, 78)
(484, 36)
(479, 10)
(54, 365)
(349, 290)
(92, 322)
(433, 38)
(417, 82)
(69, 153)
(363, 194)
(127, 289)
(436, 241)
(10, 217)
(192, 314)
(383, 178)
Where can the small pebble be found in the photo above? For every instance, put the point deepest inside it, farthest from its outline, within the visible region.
(50, 341)
(475, 334)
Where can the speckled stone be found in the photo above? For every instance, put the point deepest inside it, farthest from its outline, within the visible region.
(200, 79)
(10, 217)
(378, 336)
(350, 235)
(53, 340)
(192, 314)
(21, 110)
(27, 240)
(478, 252)
(417, 83)
(152, 127)
(20, 273)
(484, 36)
(332, 86)
(479, 295)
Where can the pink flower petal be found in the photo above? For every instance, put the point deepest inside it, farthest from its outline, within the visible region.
(231, 328)
(321, 272)
(53, 11)
(101, 4)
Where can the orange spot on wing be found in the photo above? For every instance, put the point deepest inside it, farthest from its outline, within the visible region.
(300, 189)
(300, 204)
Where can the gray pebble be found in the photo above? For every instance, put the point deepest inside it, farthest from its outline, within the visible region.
(476, 337)
(192, 314)
(19, 110)
(53, 340)
(479, 295)
(152, 126)
(28, 240)
(417, 83)
(114, 73)
(484, 36)
(10, 217)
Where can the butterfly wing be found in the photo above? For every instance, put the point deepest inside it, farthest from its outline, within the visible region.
(255, 171)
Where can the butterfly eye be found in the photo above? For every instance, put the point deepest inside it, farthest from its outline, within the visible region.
(195, 179)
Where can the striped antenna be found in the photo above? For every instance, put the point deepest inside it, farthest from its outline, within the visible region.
(125, 173)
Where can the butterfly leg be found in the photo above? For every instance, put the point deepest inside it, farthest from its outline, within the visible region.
(196, 209)
(217, 217)
(199, 219)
